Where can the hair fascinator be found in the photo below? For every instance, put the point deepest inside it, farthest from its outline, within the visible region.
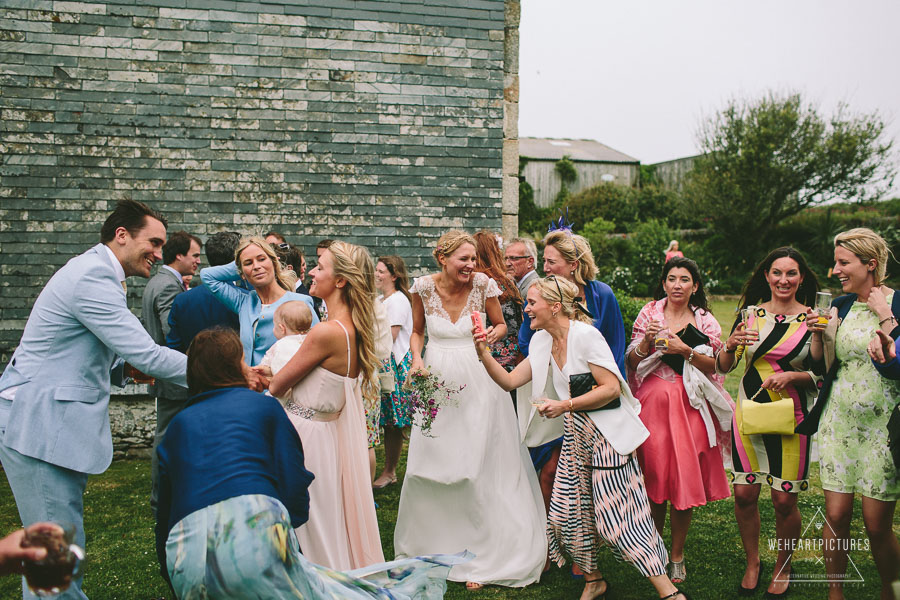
(561, 224)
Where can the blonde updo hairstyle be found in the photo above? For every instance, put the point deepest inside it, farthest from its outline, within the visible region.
(450, 242)
(546, 287)
(285, 279)
(574, 248)
(354, 265)
(866, 245)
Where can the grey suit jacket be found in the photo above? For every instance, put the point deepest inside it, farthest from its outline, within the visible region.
(157, 302)
(526, 282)
(62, 366)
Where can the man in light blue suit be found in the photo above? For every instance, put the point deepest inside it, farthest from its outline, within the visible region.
(54, 394)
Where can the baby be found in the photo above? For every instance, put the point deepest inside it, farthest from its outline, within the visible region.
(292, 321)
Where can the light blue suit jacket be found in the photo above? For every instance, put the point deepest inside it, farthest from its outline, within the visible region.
(62, 367)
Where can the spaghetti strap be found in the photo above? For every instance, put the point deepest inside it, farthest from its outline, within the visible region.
(346, 335)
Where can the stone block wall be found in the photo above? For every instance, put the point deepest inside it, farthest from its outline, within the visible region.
(379, 122)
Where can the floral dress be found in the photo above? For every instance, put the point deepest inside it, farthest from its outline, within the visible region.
(853, 432)
(506, 351)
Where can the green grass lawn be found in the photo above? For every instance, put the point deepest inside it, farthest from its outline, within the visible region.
(122, 560)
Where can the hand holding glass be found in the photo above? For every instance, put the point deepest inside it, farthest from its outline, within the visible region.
(823, 306)
(53, 574)
(662, 340)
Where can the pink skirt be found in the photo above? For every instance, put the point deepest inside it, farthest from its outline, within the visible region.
(678, 464)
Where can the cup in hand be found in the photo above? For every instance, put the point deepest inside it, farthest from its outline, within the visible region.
(662, 339)
(53, 574)
(138, 376)
(823, 306)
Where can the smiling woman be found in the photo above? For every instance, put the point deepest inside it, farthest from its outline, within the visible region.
(257, 264)
(473, 472)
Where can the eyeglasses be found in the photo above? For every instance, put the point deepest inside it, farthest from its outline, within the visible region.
(512, 258)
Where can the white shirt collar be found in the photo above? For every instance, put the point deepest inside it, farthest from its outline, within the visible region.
(177, 274)
(116, 265)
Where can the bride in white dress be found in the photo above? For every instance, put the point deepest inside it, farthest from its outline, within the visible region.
(471, 486)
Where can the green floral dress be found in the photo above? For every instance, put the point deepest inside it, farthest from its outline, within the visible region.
(853, 439)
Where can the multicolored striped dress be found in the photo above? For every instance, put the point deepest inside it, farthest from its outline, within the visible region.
(599, 496)
(782, 461)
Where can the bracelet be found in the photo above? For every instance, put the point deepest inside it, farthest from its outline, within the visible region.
(637, 351)
(571, 406)
(890, 318)
(691, 357)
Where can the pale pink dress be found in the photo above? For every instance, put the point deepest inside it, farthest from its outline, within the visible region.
(327, 411)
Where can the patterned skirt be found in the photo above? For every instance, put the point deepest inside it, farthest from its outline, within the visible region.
(244, 547)
(395, 406)
(599, 496)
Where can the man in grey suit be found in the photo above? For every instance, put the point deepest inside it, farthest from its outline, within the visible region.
(521, 258)
(181, 256)
(54, 394)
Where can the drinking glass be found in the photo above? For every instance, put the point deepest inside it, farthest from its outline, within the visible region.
(823, 306)
(662, 339)
(747, 316)
(53, 574)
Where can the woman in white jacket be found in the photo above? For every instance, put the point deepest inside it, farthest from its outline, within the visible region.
(605, 502)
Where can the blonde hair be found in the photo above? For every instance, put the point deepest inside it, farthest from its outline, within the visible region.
(450, 242)
(353, 264)
(866, 245)
(574, 248)
(282, 277)
(564, 294)
(671, 245)
(295, 315)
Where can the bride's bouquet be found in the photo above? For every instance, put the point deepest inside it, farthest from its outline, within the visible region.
(428, 395)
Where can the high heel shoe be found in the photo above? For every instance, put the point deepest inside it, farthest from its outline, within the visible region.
(744, 592)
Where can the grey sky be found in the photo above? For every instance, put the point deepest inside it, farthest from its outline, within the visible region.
(638, 75)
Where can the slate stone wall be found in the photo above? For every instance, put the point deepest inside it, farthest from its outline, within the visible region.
(379, 122)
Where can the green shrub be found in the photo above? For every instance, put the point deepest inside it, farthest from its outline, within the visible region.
(630, 308)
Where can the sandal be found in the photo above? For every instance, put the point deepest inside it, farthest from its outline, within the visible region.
(602, 596)
(677, 572)
(380, 483)
(675, 594)
(474, 586)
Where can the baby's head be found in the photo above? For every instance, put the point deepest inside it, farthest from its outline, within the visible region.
(291, 318)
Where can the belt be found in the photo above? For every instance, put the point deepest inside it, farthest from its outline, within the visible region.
(310, 414)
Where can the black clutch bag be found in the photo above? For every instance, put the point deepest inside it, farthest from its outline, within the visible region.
(582, 383)
(894, 435)
(691, 336)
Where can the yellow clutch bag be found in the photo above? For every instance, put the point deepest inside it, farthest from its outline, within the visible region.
(767, 417)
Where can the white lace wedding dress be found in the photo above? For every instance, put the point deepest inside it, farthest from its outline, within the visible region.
(472, 486)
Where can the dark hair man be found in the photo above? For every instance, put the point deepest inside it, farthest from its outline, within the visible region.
(54, 394)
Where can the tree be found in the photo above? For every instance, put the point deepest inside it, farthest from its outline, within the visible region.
(767, 159)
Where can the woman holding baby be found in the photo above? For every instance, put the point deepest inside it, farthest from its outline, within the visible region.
(257, 264)
(323, 388)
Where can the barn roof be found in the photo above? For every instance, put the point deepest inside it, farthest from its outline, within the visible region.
(577, 150)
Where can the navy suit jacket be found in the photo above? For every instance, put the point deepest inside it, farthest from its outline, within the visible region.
(192, 312)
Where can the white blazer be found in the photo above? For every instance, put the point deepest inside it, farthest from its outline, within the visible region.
(621, 426)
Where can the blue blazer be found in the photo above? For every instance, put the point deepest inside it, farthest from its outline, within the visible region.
(257, 326)
(891, 369)
(63, 365)
(602, 303)
(192, 312)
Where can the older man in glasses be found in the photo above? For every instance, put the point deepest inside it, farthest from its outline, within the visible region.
(521, 256)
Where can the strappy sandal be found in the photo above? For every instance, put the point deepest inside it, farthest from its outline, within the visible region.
(677, 572)
(675, 594)
(474, 586)
(605, 590)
